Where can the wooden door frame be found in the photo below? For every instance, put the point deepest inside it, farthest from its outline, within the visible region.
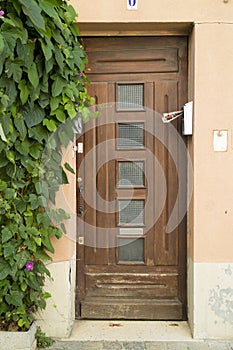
(108, 30)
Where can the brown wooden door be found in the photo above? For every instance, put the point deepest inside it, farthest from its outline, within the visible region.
(128, 267)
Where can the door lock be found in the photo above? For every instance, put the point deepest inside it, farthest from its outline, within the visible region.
(81, 188)
(81, 211)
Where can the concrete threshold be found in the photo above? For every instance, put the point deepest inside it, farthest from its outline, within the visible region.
(135, 335)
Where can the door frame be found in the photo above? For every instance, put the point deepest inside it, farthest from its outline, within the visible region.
(156, 29)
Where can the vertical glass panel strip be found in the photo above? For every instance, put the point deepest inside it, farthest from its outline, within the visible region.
(131, 212)
(131, 136)
(131, 174)
(131, 250)
(130, 97)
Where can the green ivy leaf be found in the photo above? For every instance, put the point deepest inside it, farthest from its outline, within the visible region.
(35, 150)
(22, 147)
(13, 69)
(33, 283)
(47, 243)
(26, 52)
(10, 156)
(33, 116)
(15, 298)
(43, 219)
(1, 43)
(21, 322)
(50, 124)
(9, 249)
(3, 185)
(6, 234)
(34, 201)
(2, 134)
(58, 86)
(20, 126)
(70, 14)
(33, 75)
(24, 91)
(69, 168)
(20, 204)
(65, 180)
(39, 133)
(30, 244)
(22, 258)
(86, 114)
(5, 269)
(71, 110)
(54, 103)
(60, 115)
(47, 48)
(38, 241)
(48, 7)
(33, 11)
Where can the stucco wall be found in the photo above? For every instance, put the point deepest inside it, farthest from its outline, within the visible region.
(213, 208)
(154, 11)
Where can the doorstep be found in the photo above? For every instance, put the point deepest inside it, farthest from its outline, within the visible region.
(135, 335)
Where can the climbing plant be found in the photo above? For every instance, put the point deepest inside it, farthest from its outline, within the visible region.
(42, 87)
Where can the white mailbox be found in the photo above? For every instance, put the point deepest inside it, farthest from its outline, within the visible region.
(186, 113)
(188, 119)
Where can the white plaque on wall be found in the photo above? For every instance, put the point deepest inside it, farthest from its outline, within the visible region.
(220, 140)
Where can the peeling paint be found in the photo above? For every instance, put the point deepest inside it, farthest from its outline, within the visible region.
(221, 301)
(228, 270)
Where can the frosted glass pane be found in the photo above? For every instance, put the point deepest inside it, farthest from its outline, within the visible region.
(131, 135)
(130, 97)
(131, 212)
(131, 250)
(131, 173)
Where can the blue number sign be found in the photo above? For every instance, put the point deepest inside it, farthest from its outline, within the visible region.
(132, 4)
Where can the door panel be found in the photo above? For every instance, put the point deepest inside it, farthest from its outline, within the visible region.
(128, 266)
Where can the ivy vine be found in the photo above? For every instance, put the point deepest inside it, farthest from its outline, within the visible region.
(42, 86)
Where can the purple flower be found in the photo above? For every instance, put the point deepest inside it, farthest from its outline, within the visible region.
(29, 266)
(2, 13)
(79, 74)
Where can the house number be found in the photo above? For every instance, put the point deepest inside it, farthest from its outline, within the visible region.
(132, 4)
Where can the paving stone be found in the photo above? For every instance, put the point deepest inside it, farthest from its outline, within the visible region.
(155, 346)
(187, 346)
(220, 345)
(92, 345)
(116, 345)
(77, 345)
(134, 346)
(112, 345)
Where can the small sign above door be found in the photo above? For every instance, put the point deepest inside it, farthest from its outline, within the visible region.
(132, 4)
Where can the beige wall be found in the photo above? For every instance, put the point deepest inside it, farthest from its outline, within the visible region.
(154, 11)
(213, 186)
(66, 199)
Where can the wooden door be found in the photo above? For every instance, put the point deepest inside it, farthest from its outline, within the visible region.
(128, 267)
